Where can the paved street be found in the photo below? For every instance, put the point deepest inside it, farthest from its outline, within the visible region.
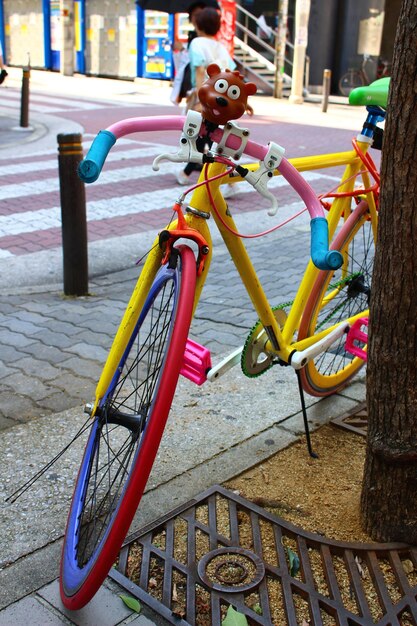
(53, 347)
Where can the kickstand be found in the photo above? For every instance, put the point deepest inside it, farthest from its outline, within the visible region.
(304, 410)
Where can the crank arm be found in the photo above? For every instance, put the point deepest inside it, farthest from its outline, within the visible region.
(300, 359)
(225, 365)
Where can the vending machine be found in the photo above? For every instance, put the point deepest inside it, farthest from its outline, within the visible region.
(157, 41)
(182, 27)
(56, 36)
(80, 35)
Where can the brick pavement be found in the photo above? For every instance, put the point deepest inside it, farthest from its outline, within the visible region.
(56, 346)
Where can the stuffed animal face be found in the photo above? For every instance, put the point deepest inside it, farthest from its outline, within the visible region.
(224, 95)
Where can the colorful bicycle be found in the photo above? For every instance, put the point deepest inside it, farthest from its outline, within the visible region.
(152, 346)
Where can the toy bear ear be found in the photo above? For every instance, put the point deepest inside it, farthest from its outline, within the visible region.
(250, 88)
(213, 69)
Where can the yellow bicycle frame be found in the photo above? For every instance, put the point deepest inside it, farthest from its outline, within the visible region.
(280, 339)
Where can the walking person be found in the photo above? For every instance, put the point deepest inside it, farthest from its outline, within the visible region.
(182, 82)
(203, 50)
(3, 72)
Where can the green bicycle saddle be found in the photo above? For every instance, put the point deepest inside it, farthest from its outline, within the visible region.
(374, 94)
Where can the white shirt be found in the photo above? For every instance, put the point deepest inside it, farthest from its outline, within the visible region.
(203, 51)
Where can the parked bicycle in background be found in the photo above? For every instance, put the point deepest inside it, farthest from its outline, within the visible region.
(358, 77)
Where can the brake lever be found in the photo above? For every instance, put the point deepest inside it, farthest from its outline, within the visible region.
(187, 152)
(259, 178)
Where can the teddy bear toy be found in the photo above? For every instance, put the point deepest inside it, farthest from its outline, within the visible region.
(224, 95)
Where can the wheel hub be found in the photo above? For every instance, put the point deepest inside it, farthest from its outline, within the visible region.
(357, 286)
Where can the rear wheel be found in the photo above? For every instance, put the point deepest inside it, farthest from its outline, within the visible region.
(337, 296)
(349, 81)
(126, 432)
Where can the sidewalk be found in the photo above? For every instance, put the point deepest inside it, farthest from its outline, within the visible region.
(239, 421)
(42, 130)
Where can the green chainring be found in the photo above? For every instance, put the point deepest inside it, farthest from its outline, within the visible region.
(254, 360)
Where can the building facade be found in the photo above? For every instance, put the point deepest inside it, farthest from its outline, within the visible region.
(116, 38)
(340, 32)
(102, 35)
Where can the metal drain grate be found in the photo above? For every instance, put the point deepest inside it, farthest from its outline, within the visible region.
(220, 550)
(355, 420)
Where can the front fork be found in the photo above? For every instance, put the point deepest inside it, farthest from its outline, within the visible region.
(191, 227)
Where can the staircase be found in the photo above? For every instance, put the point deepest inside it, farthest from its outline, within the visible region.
(256, 58)
(257, 68)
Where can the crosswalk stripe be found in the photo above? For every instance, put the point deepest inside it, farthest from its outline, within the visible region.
(43, 219)
(41, 99)
(39, 153)
(48, 185)
(246, 222)
(114, 156)
(5, 254)
(34, 107)
(148, 201)
(44, 103)
(15, 190)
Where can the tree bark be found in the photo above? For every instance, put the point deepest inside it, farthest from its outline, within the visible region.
(389, 491)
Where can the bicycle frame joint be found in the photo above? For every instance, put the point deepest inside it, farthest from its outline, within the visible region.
(168, 237)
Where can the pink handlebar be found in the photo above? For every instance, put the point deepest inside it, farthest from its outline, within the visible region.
(146, 124)
(90, 168)
(253, 149)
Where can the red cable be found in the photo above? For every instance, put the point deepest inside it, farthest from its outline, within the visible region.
(368, 161)
(234, 232)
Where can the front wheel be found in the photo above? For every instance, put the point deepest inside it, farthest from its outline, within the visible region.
(337, 296)
(126, 432)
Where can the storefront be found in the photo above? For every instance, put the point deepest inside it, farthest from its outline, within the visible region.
(26, 36)
(110, 38)
(117, 38)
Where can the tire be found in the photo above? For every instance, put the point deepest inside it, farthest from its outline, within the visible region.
(350, 81)
(126, 432)
(336, 296)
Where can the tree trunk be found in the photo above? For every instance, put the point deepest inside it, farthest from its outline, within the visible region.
(389, 491)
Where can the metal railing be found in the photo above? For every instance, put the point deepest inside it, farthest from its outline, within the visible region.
(248, 26)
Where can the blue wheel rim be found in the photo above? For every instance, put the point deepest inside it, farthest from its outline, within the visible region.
(73, 576)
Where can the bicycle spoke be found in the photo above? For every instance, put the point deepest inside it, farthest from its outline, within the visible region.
(146, 349)
(28, 484)
(101, 504)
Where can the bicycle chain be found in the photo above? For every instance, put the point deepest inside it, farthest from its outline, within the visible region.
(256, 329)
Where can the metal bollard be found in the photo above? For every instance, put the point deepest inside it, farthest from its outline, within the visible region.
(24, 101)
(327, 75)
(73, 215)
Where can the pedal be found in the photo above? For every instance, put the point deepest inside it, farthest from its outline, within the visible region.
(196, 362)
(356, 334)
